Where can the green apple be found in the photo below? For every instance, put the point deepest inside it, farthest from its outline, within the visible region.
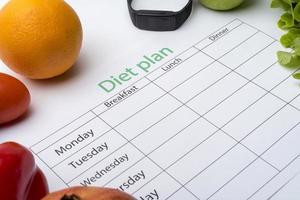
(221, 4)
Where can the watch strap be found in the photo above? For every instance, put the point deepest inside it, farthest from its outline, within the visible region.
(159, 20)
(184, 14)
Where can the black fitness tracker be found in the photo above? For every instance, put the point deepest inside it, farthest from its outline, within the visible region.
(159, 20)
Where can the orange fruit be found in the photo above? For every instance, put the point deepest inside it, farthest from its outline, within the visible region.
(39, 39)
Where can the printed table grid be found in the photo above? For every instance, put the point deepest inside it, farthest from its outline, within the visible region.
(162, 93)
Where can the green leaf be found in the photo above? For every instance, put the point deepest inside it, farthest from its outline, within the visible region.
(297, 12)
(287, 40)
(291, 39)
(296, 44)
(284, 4)
(284, 58)
(295, 31)
(297, 51)
(296, 76)
(286, 21)
(289, 60)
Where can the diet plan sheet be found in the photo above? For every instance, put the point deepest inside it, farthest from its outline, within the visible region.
(218, 120)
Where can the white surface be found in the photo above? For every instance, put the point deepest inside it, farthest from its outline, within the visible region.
(178, 151)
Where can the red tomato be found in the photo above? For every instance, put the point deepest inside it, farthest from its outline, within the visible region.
(14, 98)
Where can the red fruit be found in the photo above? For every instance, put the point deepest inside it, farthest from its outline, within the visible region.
(14, 98)
(20, 178)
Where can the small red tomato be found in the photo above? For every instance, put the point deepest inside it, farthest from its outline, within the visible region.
(14, 98)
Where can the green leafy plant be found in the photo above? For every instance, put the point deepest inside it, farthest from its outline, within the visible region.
(290, 22)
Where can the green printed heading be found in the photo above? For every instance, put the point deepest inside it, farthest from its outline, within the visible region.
(144, 66)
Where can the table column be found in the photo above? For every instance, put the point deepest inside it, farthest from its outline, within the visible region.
(262, 106)
(74, 148)
(149, 107)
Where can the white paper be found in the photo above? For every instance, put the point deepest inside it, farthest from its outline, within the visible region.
(210, 117)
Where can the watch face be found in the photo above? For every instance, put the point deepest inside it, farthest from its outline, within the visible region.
(157, 23)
